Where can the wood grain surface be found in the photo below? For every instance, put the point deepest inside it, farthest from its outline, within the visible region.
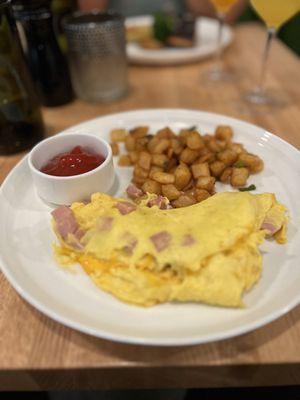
(38, 353)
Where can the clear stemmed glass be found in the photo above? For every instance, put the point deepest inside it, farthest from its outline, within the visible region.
(274, 13)
(218, 73)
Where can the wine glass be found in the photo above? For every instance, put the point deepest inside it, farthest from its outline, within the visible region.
(274, 13)
(217, 73)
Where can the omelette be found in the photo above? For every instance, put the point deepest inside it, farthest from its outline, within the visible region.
(145, 255)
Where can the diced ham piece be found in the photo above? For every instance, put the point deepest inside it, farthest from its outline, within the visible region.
(105, 223)
(67, 226)
(125, 207)
(131, 242)
(161, 240)
(188, 240)
(134, 192)
(159, 201)
(268, 226)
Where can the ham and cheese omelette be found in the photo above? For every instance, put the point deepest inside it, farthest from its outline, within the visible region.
(207, 252)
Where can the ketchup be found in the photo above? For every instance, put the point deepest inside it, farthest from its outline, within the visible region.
(75, 162)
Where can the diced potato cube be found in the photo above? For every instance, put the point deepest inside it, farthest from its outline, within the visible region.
(226, 175)
(176, 145)
(252, 162)
(153, 169)
(141, 143)
(170, 191)
(140, 172)
(216, 168)
(202, 194)
(165, 133)
(163, 177)
(188, 156)
(151, 186)
(160, 160)
(139, 131)
(206, 182)
(152, 144)
(182, 176)
(183, 201)
(228, 157)
(223, 132)
(118, 135)
(144, 160)
(200, 170)
(114, 149)
(194, 141)
(129, 143)
(124, 161)
(161, 146)
(214, 146)
(239, 177)
(134, 156)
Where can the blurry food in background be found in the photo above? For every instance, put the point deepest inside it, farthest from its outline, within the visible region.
(184, 168)
(47, 64)
(97, 55)
(274, 13)
(166, 31)
(21, 124)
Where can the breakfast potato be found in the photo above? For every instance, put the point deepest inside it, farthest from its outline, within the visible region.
(118, 135)
(194, 141)
(239, 177)
(224, 132)
(226, 175)
(114, 148)
(214, 146)
(182, 176)
(160, 160)
(208, 157)
(163, 177)
(202, 194)
(183, 201)
(139, 131)
(124, 161)
(129, 143)
(141, 143)
(188, 156)
(206, 182)
(144, 160)
(252, 162)
(237, 147)
(176, 146)
(165, 133)
(184, 167)
(228, 157)
(170, 191)
(150, 186)
(161, 146)
(216, 168)
(134, 156)
(153, 169)
(183, 135)
(201, 169)
(140, 172)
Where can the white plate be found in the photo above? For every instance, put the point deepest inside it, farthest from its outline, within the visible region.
(206, 44)
(72, 299)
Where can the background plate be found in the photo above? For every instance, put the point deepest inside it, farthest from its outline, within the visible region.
(72, 299)
(206, 44)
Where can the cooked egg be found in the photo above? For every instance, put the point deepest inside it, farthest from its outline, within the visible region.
(207, 252)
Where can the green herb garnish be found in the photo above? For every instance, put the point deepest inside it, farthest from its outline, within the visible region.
(162, 27)
(239, 164)
(247, 189)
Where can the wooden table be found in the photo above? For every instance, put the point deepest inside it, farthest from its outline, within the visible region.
(37, 353)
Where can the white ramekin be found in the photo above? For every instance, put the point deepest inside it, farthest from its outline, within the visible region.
(68, 189)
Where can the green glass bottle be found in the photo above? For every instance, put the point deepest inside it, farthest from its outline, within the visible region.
(21, 124)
